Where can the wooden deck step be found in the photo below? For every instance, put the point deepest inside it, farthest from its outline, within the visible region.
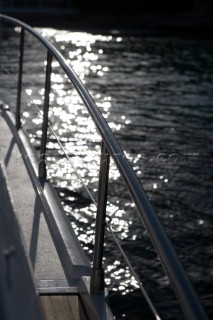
(62, 307)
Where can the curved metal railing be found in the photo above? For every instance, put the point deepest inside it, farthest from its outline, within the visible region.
(110, 148)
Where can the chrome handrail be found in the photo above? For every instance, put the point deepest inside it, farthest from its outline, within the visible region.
(183, 289)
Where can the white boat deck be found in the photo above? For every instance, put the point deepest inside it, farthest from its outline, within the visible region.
(37, 238)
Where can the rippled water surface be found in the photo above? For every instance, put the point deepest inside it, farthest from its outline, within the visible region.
(157, 97)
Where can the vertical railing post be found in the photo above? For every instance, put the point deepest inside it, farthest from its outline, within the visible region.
(97, 277)
(42, 173)
(19, 85)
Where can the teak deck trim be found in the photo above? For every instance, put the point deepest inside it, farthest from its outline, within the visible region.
(62, 307)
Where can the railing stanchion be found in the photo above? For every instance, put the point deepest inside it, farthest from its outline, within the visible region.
(19, 85)
(42, 163)
(97, 277)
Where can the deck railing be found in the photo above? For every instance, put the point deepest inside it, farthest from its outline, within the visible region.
(183, 289)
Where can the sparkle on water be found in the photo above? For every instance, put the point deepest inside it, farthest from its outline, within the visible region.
(84, 146)
(68, 114)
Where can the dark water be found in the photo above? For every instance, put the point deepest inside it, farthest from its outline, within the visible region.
(157, 96)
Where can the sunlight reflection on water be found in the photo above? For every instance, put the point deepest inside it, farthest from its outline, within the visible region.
(84, 146)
